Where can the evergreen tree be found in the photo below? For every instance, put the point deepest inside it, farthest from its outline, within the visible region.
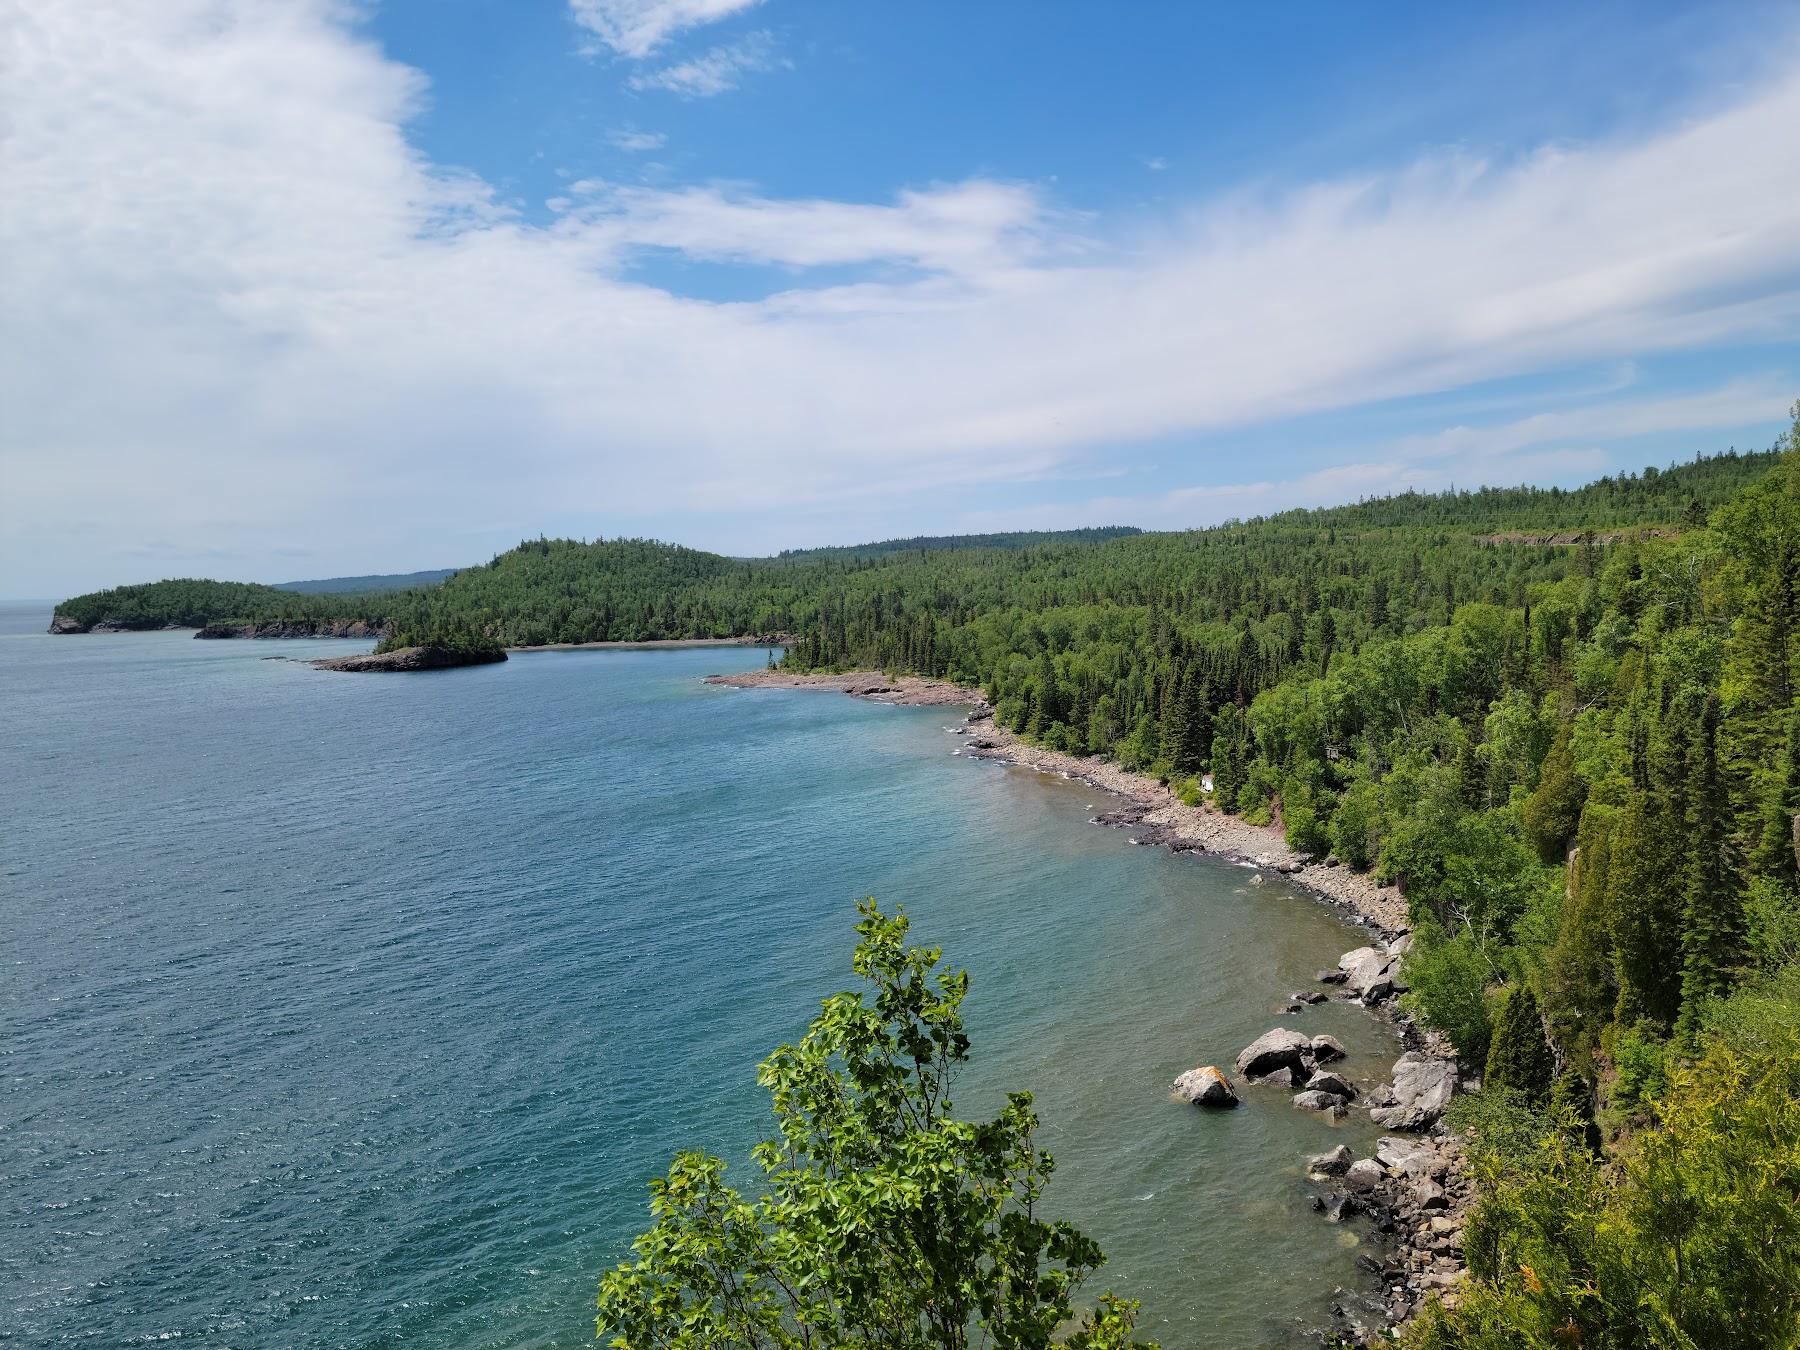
(1519, 1057)
(1553, 810)
(1572, 1109)
(1713, 924)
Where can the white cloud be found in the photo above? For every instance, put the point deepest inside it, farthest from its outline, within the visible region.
(1577, 444)
(979, 230)
(635, 28)
(716, 71)
(1737, 403)
(240, 309)
(629, 138)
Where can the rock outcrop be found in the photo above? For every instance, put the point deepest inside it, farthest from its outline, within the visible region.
(1205, 1086)
(410, 659)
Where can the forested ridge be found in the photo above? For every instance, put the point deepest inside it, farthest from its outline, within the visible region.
(1580, 761)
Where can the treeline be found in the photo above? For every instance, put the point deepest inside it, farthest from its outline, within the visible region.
(931, 543)
(193, 603)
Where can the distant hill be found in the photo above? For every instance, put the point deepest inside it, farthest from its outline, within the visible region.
(952, 601)
(388, 581)
(938, 543)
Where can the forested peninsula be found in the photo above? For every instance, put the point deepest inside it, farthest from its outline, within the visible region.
(1564, 723)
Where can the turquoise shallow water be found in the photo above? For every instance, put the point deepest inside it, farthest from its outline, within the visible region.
(356, 1010)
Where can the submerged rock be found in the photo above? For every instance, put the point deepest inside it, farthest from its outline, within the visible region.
(1205, 1086)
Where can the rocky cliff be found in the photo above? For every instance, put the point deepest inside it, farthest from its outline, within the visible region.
(411, 658)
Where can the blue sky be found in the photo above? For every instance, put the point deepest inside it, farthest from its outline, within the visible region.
(302, 288)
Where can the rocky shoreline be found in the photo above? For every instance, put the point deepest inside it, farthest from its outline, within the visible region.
(408, 659)
(1413, 1191)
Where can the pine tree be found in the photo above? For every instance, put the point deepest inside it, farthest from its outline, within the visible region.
(1713, 928)
(1553, 809)
(1644, 904)
(1778, 850)
(1519, 1057)
(1580, 977)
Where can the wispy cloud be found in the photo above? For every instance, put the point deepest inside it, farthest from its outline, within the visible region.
(716, 71)
(636, 28)
(638, 142)
(1578, 443)
(978, 229)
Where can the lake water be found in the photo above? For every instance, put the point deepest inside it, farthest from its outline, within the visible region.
(355, 1011)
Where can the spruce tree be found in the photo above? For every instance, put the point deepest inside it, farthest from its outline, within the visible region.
(1778, 850)
(1713, 928)
(1553, 809)
(1519, 1057)
(1644, 903)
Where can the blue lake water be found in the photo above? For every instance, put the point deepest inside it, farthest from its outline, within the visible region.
(355, 1010)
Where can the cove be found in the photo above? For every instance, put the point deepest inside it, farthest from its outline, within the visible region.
(356, 1012)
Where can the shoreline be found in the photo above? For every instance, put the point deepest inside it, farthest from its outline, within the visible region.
(651, 644)
(1169, 821)
(1419, 1195)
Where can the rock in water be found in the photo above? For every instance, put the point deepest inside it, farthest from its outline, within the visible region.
(1336, 1084)
(1422, 1088)
(1274, 1050)
(1364, 1175)
(1332, 1164)
(1205, 1086)
(1318, 1101)
(1326, 1049)
(410, 658)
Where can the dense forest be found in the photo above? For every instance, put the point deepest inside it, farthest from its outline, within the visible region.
(1579, 759)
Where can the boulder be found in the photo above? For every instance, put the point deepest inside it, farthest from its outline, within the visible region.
(1363, 1175)
(1283, 1077)
(1205, 1086)
(1326, 1049)
(1340, 1207)
(1336, 1084)
(1318, 1101)
(1371, 973)
(1274, 1050)
(1332, 1164)
(1411, 1159)
(1401, 945)
(1307, 996)
(1427, 1195)
(1422, 1088)
(1332, 976)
